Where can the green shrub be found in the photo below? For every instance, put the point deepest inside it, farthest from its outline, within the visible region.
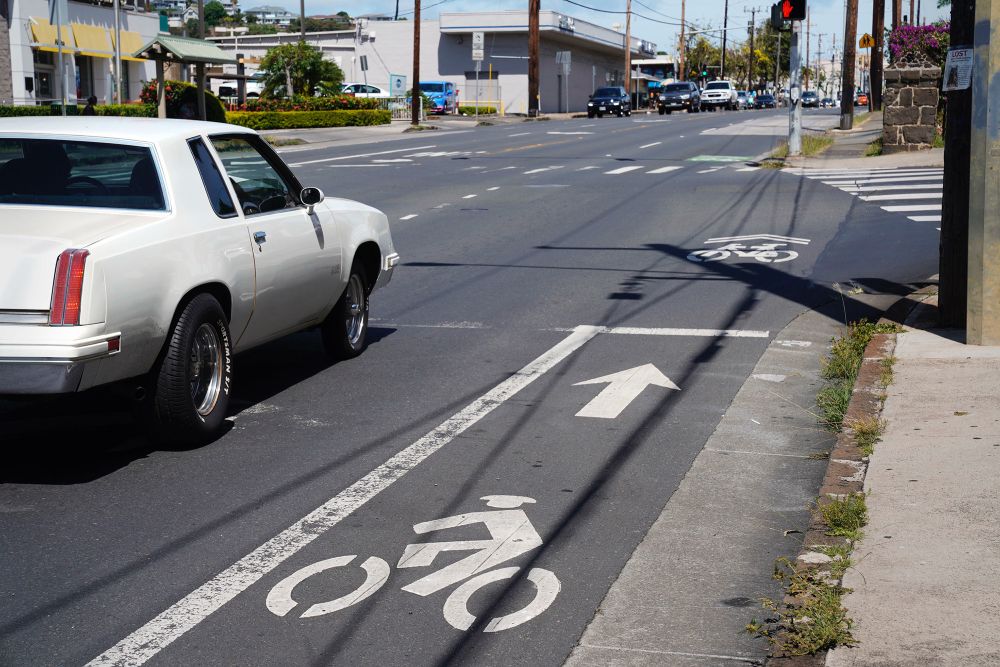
(8, 111)
(284, 120)
(471, 111)
(300, 103)
(131, 110)
(182, 101)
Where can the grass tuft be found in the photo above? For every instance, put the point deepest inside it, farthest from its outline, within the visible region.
(841, 555)
(874, 148)
(845, 517)
(812, 145)
(867, 432)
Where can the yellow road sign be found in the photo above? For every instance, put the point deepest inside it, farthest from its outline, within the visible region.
(866, 41)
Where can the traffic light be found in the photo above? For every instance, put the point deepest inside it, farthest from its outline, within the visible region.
(792, 10)
(704, 72)
(777, 20)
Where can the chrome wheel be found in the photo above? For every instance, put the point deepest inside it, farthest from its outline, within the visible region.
(354, 302)
(205, 369)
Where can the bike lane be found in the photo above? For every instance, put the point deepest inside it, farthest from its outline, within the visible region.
(598, 471)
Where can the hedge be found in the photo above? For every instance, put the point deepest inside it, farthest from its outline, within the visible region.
(132, 110)
(300, 103)
(139, 110)
(283, 120)
(7, 111)
(471, 111)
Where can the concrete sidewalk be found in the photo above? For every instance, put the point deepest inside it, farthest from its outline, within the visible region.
(925, 580)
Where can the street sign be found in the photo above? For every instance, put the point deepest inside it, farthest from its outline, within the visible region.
(793, 10)
(477, 46)
(397, 85)
(364, 63)
(866, 41)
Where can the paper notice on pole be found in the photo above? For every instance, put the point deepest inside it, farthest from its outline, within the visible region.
(957, 70)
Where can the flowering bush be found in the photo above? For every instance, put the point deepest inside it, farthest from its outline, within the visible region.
(300, 103)
(920, 44)
(182, 100)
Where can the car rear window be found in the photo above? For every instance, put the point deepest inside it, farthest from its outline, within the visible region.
(607, 92)
(56, 172)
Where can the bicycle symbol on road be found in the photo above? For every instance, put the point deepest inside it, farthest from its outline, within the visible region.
(511, 535)
(772, 250)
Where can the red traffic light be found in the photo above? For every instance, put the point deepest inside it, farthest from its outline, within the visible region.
(793, 10)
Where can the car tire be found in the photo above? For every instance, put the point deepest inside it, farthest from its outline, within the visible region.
(345, 329)
(190, 384)
(669, 111)
(661, 111)
(590, 115)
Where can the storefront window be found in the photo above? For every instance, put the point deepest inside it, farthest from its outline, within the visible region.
(84, 77)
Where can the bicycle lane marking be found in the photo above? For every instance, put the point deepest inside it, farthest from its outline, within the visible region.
(184, 615)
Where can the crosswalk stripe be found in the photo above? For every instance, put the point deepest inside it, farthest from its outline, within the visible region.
(624, 170)
(663, 170)
(914, 208)
(925, 218)
(882, 180)
(748, 169)
(835, 177)
(881, 188)
(903, 195)
(541, 169)
(588, 168)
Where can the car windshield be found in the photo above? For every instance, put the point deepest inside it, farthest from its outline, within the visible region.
(676, 88)
(49, 172)
(432, 87)
(606, 92)
(718, 85)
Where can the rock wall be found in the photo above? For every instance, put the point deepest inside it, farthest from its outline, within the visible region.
(910, 108)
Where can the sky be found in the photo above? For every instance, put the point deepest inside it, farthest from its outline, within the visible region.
(827, 15)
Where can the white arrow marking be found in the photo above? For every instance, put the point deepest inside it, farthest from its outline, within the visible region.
(623, 388)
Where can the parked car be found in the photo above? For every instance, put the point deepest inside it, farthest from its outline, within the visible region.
(827, 102)
(678, 96)
(365, 90)
(765, 101)
(145, 253)
(810, 99)
(742, 99)
(719, 94)
(613, 100)
(443, 96)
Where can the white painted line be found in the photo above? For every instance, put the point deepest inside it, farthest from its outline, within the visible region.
(696, 333)
(743, 451)
(349, 166)
(709, 171)
(882, 188)
(410, 216)
(622, 389)
(854, 172)
(569, 133)
(925, 218)
(519, 134)
(749, 169)
(863, 174)
(752, 661)
(868, 181)
(493, 189)
(589, 125)
(541, 169)
(394, 160)
(655, 143)
(588, 168)
(623, 170)
(198, 605)
(470, 196)
(353, 157)
(903, 195)
(904, 209)
(663, 170)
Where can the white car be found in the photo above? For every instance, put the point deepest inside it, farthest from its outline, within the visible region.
(719, 94)
(148, 252)
(365, 90)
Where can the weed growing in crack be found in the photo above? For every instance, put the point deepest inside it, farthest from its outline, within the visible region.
(840, 555)
(845, 517)
(867, 432)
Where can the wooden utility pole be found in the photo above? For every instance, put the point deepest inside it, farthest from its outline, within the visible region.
(628, 50)
(847, 66)
(953, 274)
(725, 33)
(875, 78)
(897, 9)
(199, 68)
(808, 32)
(753, 61)
(534, 7)
(911, 13)
(302, 20)
(682, 76)
(416, 96)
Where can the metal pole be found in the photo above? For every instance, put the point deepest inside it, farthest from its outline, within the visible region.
(416, 98)
(777, 65)
(118, 52)
(683, 73)
(628, 50)
(477, 89)
(808, 31)
(534, 6)
(302, 20)
(63, 82)
(795, 93)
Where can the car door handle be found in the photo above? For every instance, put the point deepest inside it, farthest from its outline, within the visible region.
(260, 237)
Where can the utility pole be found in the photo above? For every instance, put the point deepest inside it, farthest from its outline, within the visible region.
(777, 64)
(808, 32)
(847, 66)
(628, 50)
(753, 26)
(878, 28)
(396, 17)
(953, 272)
(725, 26)
(302, 20)
(911, 13)
(683, 74)
(983, 321)
(795, 92)
(416, 96)
(897, 9)
(534, 6)
(819, 59)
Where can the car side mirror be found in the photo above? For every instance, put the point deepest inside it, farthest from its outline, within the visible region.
(310, 197)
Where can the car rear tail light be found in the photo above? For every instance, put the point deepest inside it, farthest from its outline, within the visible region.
(67, 288)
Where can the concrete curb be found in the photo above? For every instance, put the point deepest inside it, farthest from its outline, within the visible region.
(845, 472)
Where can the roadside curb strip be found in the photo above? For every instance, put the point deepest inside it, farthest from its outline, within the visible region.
(845, 472)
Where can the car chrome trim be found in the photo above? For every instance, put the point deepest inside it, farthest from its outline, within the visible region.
(24, 317)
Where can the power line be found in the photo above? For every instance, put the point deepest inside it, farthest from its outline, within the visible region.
(609, 11)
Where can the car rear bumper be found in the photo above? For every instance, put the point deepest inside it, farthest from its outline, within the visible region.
(388, 267)
(52, 363)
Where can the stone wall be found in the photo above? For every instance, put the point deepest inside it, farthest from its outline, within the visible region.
(910, 108)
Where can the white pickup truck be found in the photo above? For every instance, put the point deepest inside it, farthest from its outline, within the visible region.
(719, 94)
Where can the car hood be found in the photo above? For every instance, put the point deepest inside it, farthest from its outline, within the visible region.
(32, 237)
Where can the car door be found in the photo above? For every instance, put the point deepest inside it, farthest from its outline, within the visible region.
(297, 255)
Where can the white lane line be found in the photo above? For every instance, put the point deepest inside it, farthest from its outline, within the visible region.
(883, 188)
(696, 333)
(493, 189)
(519, 134)
(541, 169)
(410, 216)
(903, 195)
(749, 169)
(394, 160)
(904, 209)
(663, 170)
(354, 157)
(588, 168)
(925, 218)
(871, 181)
(198, 605)
(569, 133)
(709, 171)
(470, 196)
(623, 170)
(736, 658)
(349, 166)
(589, 125)
(655, 143)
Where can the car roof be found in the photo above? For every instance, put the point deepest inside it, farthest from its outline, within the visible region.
(115, 127)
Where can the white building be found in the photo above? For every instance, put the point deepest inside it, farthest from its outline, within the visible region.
(88, 50)
(270, 15)
(596, 55)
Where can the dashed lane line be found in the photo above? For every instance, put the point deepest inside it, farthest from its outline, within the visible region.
(624, 170)
(925, 218)
(655, 143)
(410, 216)
(663, 170)
(360, 155)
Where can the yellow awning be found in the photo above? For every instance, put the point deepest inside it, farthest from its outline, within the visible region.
(46, 36)
(131, 42)
(93, 41)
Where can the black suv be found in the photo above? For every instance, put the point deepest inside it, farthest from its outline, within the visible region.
(612, 100)
(681, 95)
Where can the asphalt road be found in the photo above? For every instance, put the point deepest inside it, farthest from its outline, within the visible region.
(536, 257)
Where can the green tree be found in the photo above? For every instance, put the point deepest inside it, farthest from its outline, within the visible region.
(214, 13)
(298, 69)
(701, 54)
